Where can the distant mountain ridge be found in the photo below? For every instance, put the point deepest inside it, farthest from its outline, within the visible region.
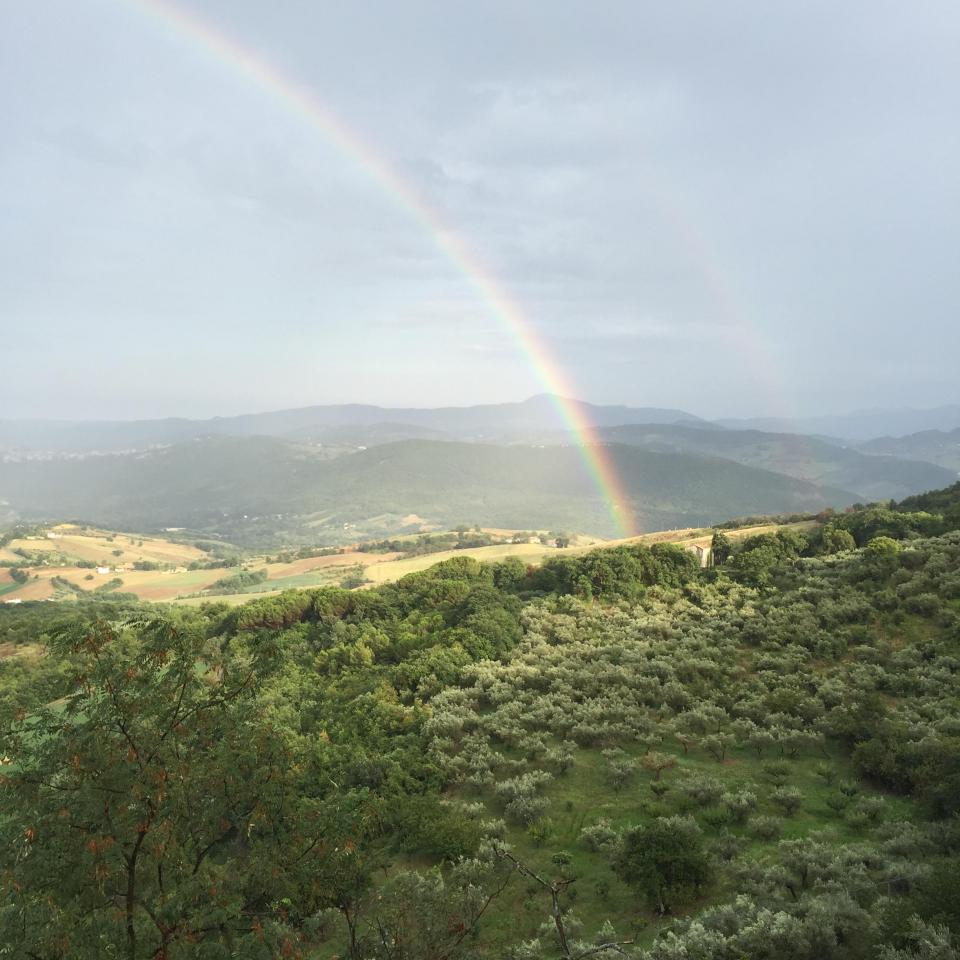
(313, 474)
(857, 426)
(482, 422)
(494, 422)
(872, 477)
(935, 446)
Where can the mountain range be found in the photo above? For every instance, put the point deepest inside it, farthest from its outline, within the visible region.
(358, 422)
(934, 446)
(857, 426)
(332, 473)
(259, 490)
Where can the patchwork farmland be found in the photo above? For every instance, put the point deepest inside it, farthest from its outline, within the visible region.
(66, 562)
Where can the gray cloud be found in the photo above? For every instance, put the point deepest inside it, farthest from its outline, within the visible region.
(717, 207)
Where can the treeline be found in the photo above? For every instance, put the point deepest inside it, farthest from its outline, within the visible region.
(428, 543)
(238, 581)
(879, 527)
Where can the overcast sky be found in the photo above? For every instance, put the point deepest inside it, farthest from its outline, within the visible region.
(733, 208)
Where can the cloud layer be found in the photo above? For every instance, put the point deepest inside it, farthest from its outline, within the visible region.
(733, 208)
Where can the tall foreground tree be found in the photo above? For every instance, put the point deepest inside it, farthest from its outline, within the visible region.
(160, 812)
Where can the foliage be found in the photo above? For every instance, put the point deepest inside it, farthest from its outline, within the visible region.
(767, 752)
(183, 811)
(664, 861)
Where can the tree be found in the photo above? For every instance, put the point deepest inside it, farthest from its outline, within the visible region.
(720, 548)
(882, 552)
(433, 916)
(656, 763)
(159, 807)
(789, 799)
(560, 917)
(836, 539)
(664, 861)
(926, 942)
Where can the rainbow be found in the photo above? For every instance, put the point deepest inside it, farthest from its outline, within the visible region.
(301, 103)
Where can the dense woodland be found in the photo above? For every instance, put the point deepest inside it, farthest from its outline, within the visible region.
(617, 754)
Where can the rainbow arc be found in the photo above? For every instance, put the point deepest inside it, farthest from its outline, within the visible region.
(303, 104)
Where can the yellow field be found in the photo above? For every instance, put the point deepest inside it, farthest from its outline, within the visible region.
(98, 546)
(535, 553)
(395, 569)
(179, 583)
(230, 599)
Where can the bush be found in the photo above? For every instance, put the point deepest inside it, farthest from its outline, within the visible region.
(789, 799)
(766, 828)
(525, 810)
(424, 826)
(600, 836)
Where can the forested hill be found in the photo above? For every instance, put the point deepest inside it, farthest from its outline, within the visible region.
(612, 755)
(871, 477)
(934, 446)
(260, 490)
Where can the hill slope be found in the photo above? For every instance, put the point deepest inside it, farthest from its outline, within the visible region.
(757, 760)
(934, 446)
(872, 477)
(257, 490)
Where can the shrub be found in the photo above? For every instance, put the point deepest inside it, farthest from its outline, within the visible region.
(703, 790)
(766, 828)
(789, 799)
(525, 810)
(599, 836)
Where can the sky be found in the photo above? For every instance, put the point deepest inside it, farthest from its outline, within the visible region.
(736, 208)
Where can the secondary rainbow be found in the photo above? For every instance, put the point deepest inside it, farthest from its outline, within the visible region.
(298, 100)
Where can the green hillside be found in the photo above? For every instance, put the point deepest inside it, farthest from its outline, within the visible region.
(868, 471)
(617, 755)
(257, 491)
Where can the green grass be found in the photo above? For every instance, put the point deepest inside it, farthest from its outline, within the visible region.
(583, 796)
(324, 576)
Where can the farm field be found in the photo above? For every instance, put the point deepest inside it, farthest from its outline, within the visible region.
(176, 583)
(392, 567)
(55, 574)
(534, 553)
(100, 546)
